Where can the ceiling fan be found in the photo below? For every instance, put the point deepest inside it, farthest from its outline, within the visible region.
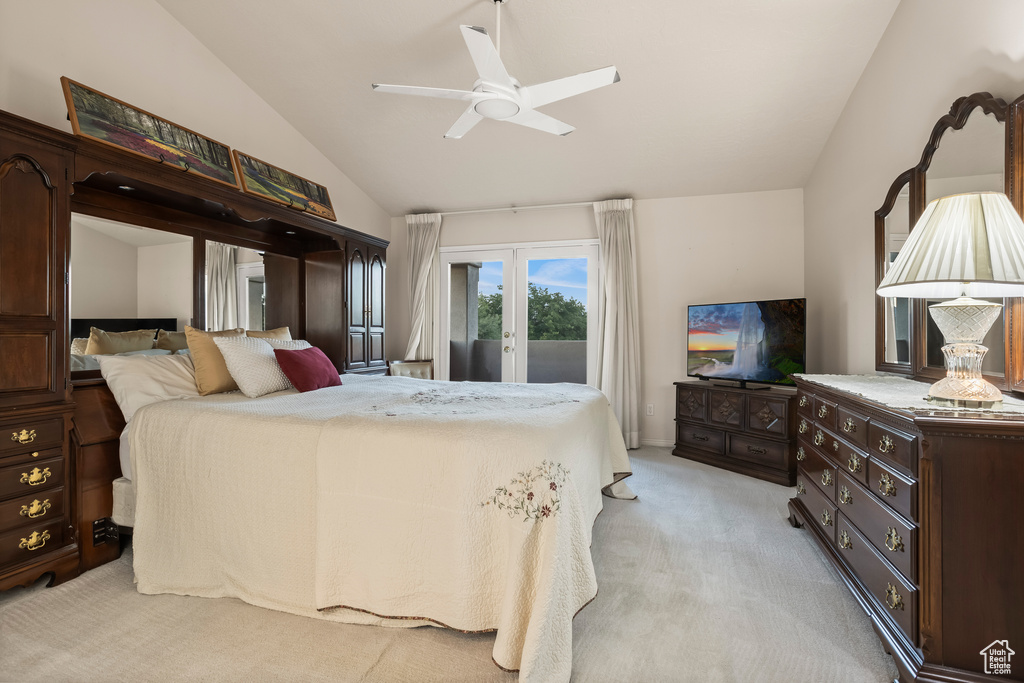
(498, 96)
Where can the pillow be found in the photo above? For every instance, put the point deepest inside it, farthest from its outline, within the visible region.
(102, 342)
(252, 365)
(172, 341)
(277, 333)
(289, 344)
(212, 376)
(308, 369)
(78, 346)
(137, 381)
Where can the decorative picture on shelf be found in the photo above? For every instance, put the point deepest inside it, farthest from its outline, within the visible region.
(270, 182)
(113, 122)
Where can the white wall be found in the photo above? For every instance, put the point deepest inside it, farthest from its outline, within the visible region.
(135, 51)
(165, 282)
(933, 52)
(690, 250)
(104, 277)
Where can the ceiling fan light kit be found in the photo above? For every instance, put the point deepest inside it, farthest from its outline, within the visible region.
(498, 96)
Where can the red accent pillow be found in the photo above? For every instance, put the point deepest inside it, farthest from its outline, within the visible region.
(308, 369)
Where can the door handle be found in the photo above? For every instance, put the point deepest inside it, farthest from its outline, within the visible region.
(507, 349)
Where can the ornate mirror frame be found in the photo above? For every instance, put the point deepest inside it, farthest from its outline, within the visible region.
(1012, 116)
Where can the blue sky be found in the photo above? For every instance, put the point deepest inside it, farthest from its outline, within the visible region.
(565, 275)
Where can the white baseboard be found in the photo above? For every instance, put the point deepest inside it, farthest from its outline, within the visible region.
(656, 442)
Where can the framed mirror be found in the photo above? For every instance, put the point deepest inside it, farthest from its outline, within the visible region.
(894, 338)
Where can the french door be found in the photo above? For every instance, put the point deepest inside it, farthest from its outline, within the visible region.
(524, 313)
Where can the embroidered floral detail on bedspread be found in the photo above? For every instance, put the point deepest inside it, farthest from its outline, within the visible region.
(534, 494)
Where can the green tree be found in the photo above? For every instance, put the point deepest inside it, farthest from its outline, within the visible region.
(550, 316)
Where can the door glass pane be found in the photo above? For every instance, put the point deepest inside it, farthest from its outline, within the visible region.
(475, 321)
(557, 320)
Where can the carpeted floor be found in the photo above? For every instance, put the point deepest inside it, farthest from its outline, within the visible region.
(702, 579)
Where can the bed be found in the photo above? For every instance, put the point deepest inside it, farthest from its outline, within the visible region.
(388, 501)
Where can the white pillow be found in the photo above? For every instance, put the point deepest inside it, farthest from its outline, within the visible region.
(252, 364)
(139, 380)
(288, 344)
(78, 345)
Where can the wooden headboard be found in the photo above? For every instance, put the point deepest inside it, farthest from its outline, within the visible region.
(80, 326)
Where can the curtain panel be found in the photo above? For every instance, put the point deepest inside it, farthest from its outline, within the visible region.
(424, 265)
(221, 287)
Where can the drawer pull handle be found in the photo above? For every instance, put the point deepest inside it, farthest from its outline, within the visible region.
(801, 454)
(35, 509)
(845, 497)
(854, 464)
(755, 449)
(819, 438)
(826, 518)
(699, 437)
(24, 436)
(893, 599)
(835, 445)
(804, 401)
(826, 478)
(886, 486)
(804, 427)
(844, 540)
(849, 426)
(35, 477)
(800, 488)
(886, 445)
(35, 541)
(35, 454)
(822, 411)
(893, 541)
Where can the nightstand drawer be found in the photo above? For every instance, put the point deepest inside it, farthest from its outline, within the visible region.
(893, 488)
(770, 453)
(28, 542)
(33, 476)
(32, 510)
(893, 537)
(31, 456)
(26, 435)
(704, 439)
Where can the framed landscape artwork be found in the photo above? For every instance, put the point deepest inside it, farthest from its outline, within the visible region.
(270, 182)
(113, 122)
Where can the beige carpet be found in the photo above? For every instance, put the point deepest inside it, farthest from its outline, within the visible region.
(702, 579)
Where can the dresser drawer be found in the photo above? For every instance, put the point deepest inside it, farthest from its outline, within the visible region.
(827, 442)
(852, 427)
(770, 453)
(805, 404)
(825, 412)
(854, 461)
(768, 415)
(691, 403)
(893, 488)
(822, 510)
(725, 408)
(805, 426)
(893, 445)
(22, 436)
(894, 594)
(31, 510)
(31, 456)
(29, 477)
(819, 470)
(22, 545)
(893, 537)
(710, 440)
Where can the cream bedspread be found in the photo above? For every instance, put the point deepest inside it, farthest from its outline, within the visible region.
(390, 501)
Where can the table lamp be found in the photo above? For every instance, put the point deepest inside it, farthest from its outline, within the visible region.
(965, 245)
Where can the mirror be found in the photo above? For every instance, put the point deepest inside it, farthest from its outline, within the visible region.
(121, 272)
(236, 287)
(897, 313)
(970, 159)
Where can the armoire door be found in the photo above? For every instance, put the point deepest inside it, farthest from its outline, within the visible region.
(375, 308)
(357, 303)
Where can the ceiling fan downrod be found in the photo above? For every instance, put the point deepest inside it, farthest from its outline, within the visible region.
(497, 25)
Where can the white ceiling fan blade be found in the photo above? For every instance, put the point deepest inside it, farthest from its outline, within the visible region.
(552, 91)
(468, 119)
(425, 92)
(485, 57)
(534, 119)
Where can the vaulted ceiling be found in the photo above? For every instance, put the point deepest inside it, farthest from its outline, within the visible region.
(715, 97)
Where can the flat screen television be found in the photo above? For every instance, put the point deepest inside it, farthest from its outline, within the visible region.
(751, 341)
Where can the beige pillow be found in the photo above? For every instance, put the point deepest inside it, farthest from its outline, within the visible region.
(78, 345)
(172, 341)
(212, 376)
(282, 333)
(102, 342)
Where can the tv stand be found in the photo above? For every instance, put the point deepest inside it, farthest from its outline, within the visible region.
(747, 430)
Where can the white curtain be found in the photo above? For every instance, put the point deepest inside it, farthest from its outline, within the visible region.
(424, 264)
(221, 287)
(618, 372)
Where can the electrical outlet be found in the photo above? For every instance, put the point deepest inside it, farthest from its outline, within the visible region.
(650, 409)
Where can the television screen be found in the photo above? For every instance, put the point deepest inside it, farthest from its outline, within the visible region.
(754, 341)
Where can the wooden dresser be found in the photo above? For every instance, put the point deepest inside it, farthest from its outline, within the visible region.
(922, 514)
(37, 534)
(744, 430)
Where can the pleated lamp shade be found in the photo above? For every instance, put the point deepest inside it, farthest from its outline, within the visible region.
(966, 244)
